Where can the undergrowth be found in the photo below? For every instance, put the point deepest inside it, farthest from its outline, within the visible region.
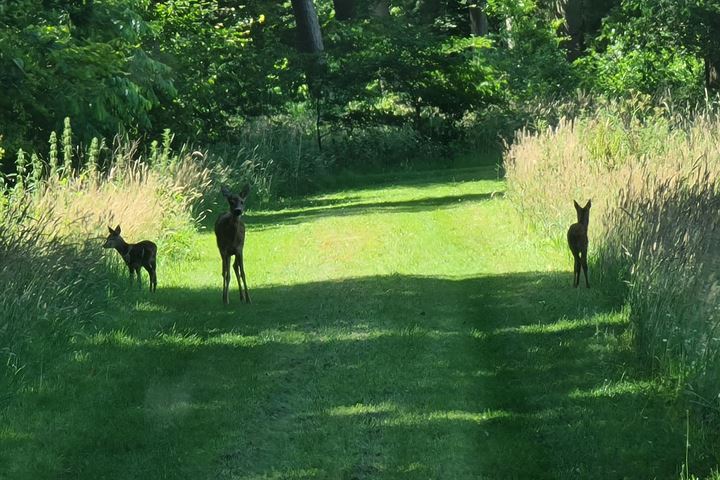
(652, 173)
(54, 211)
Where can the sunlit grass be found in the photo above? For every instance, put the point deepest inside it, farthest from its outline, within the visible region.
(612, 389)
(412, 331)
(653, 174)
(564, 325)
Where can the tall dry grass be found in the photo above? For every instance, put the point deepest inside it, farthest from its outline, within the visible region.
(652, 173)
(57, 280)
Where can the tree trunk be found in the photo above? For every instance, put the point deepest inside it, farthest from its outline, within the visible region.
(310, 42)
(344, 9)
(508, 30)
(380, 9)
(712, 74)
(478, 20)
(582, 19)
(308, 27)
(574, 26)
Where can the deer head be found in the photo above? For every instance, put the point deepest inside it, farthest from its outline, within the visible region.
(236, 201)
(114, 239)
(583, 213)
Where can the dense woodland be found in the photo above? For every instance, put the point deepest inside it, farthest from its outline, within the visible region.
(435, 69)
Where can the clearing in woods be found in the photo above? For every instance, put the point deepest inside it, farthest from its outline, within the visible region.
(411, 329)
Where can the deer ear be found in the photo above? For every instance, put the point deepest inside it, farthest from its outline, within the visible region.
(588, 204)
(117, 229)
(224, 190)
(245, 190)
(576, 205)
(111, 230)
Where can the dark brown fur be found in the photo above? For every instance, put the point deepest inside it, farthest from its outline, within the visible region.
(136, 255)
(577, 237)
(230, 236)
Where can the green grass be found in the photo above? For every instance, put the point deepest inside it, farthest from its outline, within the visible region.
(408, 329)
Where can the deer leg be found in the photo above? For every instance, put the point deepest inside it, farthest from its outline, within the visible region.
(585, 270)
(150, 269)
(576, 272)
(242, 274)
(226, 277)
(236, 268)
(153, 275)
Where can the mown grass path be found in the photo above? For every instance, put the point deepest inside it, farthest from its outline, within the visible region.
(406, 330)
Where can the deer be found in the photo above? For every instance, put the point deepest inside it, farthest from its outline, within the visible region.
(136, 255)
(230, 237)
(577, 238)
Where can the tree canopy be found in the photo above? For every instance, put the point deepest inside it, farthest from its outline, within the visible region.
(204, 67)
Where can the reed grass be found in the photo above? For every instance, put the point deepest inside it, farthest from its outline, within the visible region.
(57, 280)
(652, 172)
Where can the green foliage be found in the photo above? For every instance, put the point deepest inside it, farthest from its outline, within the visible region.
(206, 69)
(54, 276)
(647, 46)
(93, 157)
(53, 155)
(67, 147)
(535, 66)
(20, 170)
(400, 328)
(81, 59)
(229, 61)
(37, 170)
(652, 172)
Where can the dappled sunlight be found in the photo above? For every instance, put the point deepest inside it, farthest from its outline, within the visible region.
(564, 324)
(416, 418)
(275, 218)
(118, 338)
(232, 338)
(7, 435)
(362, 409)
(389, 414)
(612, 389)
(441, 183)
(290, 474)
(147, 306)
(407, 340)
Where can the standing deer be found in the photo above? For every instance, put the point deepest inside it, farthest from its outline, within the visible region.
(577, 237)
(230, 236)
(136, 255)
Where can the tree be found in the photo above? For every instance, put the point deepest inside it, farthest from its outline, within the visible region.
(308, 27)
(380, 8)
(344, 9)
(478, 19)
(650, 46)
(79, 59)
(310, 43)
(581, 22)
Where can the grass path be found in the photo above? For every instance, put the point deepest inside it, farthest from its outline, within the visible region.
(413, 330)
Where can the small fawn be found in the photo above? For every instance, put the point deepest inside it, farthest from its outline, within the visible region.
(230, 236)
(136, 255)
(577, 237)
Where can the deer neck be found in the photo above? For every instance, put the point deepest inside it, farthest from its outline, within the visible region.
(235, 220)
(123, 248)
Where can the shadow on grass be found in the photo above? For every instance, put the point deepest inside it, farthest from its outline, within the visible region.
(294, 210)
(416, 205)
(510, 376)
(404, 178)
